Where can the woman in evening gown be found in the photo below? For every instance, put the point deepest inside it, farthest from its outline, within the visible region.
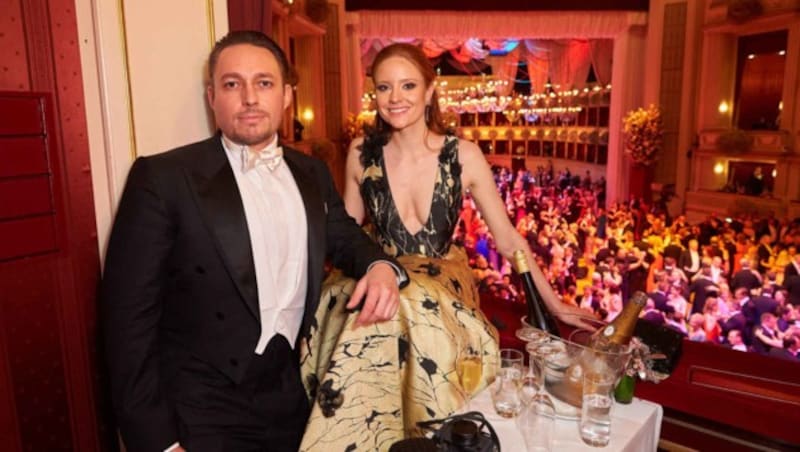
(370, 385)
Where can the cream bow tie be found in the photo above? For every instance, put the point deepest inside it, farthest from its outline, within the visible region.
(271, 157)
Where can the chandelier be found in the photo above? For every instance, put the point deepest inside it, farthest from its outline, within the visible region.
(549, 107)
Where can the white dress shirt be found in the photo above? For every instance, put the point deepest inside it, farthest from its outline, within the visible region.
(276, 221)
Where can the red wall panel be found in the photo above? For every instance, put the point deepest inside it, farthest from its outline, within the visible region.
(27, 237)
(49, 359)
(31, 331)
(23, 156)
(24, 197)
(20, 116)
(13, 51)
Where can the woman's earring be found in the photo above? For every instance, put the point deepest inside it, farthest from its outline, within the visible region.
(427, 114)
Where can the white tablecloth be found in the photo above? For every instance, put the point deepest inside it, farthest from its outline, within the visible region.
(635, 427)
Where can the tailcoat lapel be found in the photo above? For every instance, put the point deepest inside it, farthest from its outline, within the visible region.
(221, 207)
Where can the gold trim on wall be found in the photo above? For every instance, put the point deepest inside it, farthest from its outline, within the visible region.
(126, 71)
(212, 29)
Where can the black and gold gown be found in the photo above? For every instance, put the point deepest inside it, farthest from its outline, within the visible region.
(371, 385)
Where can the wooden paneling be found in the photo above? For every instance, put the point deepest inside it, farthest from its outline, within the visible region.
(27, 237)
(20, 116)
(34, 355)
(48, 276)
(747, 385)
(27, 214)
(745, 390)
(250, 15)
(30, 274)
(23, 156)
(49, 263)
(24, 197)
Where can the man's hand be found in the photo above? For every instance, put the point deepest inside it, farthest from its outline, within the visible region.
(378, 289)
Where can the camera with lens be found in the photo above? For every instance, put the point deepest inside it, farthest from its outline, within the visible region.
(468, 432)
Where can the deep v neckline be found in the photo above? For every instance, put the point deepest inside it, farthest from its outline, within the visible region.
(436, 176)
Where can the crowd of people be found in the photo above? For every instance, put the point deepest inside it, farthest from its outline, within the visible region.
(728, 281)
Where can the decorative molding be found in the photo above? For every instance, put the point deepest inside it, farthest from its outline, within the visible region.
(123, 31)
(746, 385)
(776, 143)
(212, 30)
(700, 203)
(761, 24)
(40, 49)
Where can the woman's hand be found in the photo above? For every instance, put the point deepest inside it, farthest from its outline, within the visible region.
(577, 317)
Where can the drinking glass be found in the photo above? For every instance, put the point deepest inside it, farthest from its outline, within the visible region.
(506, 392)
(537, 420)
(536, 423)
(529, 333)
(469, 367)
(512, 359)
(537, 360)
(595, 423)
(505, 389)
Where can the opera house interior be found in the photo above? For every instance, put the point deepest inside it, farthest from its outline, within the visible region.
(636, 145)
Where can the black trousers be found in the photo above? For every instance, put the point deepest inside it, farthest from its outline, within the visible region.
(267, 412)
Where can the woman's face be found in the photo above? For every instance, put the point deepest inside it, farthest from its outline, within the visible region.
(401, 93)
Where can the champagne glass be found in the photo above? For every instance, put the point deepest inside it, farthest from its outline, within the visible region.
(537, 420)
(469, 367)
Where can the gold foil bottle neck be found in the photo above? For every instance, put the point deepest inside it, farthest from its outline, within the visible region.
(520, 262)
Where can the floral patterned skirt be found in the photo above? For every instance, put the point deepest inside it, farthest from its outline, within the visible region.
(370, 385)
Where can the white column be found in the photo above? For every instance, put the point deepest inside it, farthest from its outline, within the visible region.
(143, 65)
(687, 131)
(354, 72)
(626, 94)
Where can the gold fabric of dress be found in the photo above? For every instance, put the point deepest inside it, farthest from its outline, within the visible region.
(370, 385)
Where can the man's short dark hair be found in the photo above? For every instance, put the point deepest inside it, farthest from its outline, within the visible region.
(254, 38)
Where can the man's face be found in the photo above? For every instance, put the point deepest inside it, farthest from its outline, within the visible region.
(248, 95)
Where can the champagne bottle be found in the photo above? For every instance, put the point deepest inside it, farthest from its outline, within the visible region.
(538, 315)
(616, 335)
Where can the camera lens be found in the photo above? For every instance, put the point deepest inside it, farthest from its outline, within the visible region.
(465, 433)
